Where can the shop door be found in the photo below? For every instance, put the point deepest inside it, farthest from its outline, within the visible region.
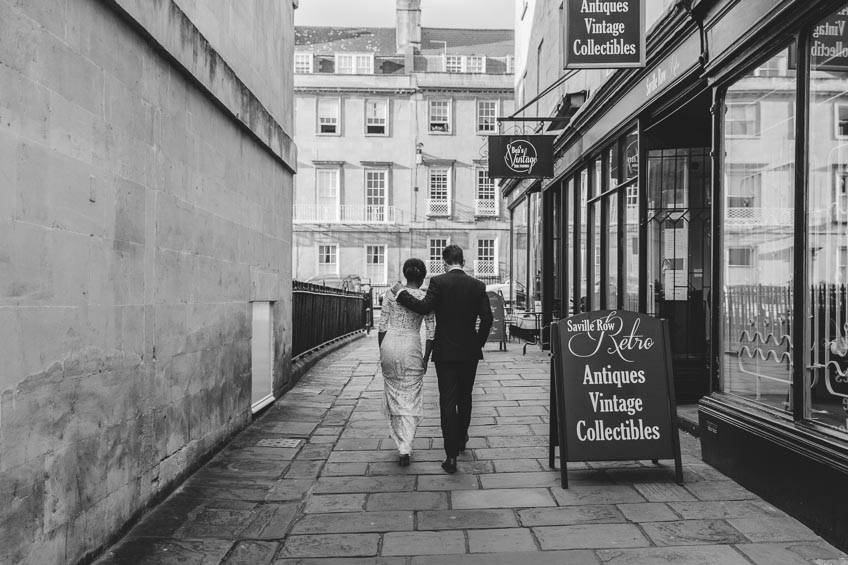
(678, 234)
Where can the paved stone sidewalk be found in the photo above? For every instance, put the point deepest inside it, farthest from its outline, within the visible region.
(338, 495)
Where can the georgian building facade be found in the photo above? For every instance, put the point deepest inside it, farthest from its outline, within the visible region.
(391, 125)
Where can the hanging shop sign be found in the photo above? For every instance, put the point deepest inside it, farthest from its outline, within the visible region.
(521, 156)
(603, 34)
(612, 389)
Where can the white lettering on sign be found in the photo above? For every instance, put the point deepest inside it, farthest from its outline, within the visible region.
(521, 156)
(607, 8)
(628, 430)
(617, 339)
(661, 75)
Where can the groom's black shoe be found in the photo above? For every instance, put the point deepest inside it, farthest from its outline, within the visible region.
(449, 465)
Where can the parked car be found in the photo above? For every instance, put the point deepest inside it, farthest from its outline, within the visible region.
(352, 283)
(519, 292)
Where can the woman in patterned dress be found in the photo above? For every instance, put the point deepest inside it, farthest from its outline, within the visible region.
(403, 365)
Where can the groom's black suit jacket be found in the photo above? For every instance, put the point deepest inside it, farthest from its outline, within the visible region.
(458, 300)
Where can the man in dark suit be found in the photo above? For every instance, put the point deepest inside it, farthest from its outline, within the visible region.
(458, 300)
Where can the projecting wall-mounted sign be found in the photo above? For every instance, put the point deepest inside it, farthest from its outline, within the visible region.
(603, 34)
(521, 156)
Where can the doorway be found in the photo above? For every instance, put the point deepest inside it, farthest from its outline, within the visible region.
(678, 240)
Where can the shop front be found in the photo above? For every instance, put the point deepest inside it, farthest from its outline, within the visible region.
(709, 189)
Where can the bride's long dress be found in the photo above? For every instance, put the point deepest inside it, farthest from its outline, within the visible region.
(403, 367)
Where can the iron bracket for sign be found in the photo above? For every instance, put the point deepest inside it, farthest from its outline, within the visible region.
(532, 119)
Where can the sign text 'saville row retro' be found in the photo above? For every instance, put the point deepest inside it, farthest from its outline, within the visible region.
(603, 34)
(521, 156)
(614, 388)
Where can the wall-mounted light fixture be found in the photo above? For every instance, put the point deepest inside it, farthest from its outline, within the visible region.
(419, 154)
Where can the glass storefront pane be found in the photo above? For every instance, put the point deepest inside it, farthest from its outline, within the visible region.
(569, 243)
(612, 251)
(584, 193)
(630, 151)
(630, 253)
(535, 242)
(519, 256)
(827, 225)
(757, 235)
(556, 268)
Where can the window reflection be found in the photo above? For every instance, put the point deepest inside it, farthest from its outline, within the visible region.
(757, 234)
(828, 224)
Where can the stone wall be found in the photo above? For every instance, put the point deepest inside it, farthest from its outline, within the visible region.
(145, 200)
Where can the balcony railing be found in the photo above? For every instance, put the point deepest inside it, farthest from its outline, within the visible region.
(485, 268)
(759, 216)
(485, 207)
(435, 267)
(346, 214)
(438, 207)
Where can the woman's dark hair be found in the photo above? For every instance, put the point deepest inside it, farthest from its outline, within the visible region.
(414, 270)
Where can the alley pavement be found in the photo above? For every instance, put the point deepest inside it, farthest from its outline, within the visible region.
(315, 480)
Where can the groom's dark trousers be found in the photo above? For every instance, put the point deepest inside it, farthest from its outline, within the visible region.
(458, 300)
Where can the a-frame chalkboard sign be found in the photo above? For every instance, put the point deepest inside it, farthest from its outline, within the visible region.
(612, 390)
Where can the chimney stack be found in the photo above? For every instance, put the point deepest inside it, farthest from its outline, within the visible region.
(408, 26)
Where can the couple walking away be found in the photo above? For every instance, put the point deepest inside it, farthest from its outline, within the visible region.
(450, 309)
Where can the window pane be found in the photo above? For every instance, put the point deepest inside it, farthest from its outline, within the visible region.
(757, 237)
(375, 196)
(436, 246)
(376, 116)
(630, 253)
(569, 243)
(584, 192)
(487, 113)
(519, 256)
(328, 115)
(827, 205)
(612, 251)
(440, 116)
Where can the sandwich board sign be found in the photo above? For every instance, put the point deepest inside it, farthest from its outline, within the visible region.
(612, 391)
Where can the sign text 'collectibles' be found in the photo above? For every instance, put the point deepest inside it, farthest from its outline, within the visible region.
(521, 156)
(829, 48)
(615, 387)
(603, 34)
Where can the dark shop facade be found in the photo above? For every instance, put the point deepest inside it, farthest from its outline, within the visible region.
(710, 188)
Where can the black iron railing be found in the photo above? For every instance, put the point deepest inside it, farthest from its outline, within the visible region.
(322, 314)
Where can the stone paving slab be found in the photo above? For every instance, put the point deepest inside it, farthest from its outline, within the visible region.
(339, 497)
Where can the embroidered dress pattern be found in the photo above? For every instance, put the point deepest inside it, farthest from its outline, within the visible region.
(402, 364)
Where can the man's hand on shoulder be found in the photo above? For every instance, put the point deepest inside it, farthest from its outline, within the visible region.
(396, 288)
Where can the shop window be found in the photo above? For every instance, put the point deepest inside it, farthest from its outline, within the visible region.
(487, 114)
(826, 399)
(375, 264)
(740, 257)
(375, 195)
(841, 120)
(840, 196)
(435, 246)
(354, 63)
(376, 117)
(440, 116)
(757, 278)
(303, 63)
(328, 116)
(438, 192)
(743, 119)
(328, 260)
